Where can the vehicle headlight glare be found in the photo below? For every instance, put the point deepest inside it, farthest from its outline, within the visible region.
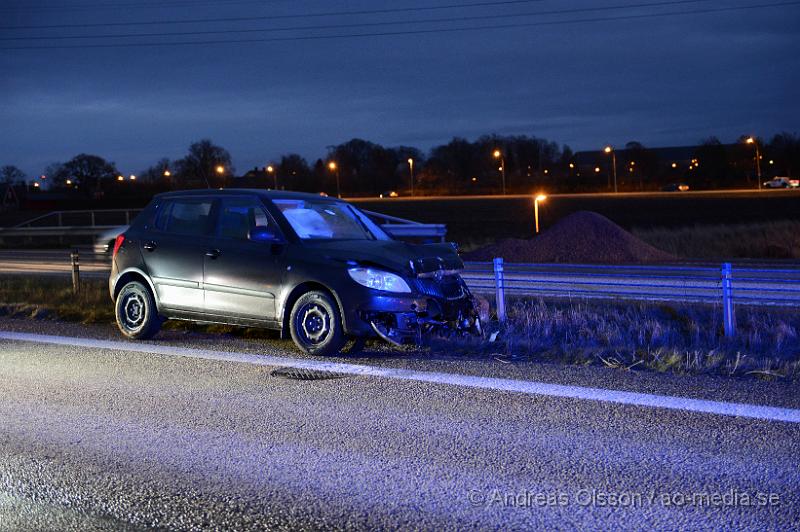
(379, 280)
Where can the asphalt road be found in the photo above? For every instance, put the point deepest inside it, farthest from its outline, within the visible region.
(193, 431)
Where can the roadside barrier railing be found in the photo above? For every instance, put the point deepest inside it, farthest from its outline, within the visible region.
(723, 285)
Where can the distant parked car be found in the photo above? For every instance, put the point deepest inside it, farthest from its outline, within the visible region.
(104, 242)
(782, 182)
(675, 187)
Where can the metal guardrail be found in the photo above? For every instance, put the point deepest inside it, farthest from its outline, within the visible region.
(100, 218)
(723, 285)
(402, 228)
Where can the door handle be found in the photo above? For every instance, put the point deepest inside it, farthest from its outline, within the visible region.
(149, 246)
(213, 253)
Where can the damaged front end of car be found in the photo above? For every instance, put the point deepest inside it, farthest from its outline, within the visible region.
(443, 305)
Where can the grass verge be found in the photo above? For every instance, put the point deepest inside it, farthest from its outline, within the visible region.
(659, 337)
(631, 335)
(766, 240)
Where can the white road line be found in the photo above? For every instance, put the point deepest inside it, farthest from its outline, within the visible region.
(769, 413)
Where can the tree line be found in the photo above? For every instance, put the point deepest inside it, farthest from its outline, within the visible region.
(359, 167)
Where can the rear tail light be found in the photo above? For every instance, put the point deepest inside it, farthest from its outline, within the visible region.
(117, 244)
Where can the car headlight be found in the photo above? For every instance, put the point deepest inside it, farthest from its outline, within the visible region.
(379, 280)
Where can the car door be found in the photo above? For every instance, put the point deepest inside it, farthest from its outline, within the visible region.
(173, 251)
(242, 276)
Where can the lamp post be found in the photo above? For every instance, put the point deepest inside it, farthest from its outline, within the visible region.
(538, 199)
(610, 150)
(335, 168)
(411, 172)
(499, 155)
(271, 171)
(754, 142)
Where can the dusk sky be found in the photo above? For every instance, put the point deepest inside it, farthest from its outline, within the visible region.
(665, 80)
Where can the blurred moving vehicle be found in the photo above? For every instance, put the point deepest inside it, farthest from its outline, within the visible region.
(675, 187)
(312, 267)
(104, 242)
(782, 182)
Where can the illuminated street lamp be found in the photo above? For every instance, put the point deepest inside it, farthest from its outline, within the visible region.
(133, 177)
(333, 167)
(220, 169)
(274, 174)
(499, 155)
(411, 172)
(754, 142)
(68, 182)
(538, 199)
(167, 173)
(610, 150)
(120, 178)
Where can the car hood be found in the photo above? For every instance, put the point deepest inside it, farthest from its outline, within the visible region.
(400, 257)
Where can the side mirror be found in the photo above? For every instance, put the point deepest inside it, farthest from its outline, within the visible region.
(262, 234)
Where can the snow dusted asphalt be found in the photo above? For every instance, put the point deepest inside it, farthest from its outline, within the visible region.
(102, 434)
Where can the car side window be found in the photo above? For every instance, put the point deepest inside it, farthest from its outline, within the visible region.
(185, 217)
(239, 216)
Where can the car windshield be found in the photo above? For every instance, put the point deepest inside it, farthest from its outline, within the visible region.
(328, 220)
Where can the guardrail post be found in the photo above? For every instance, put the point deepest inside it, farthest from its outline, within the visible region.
(728, 312)
(500, 289)
(76, 272)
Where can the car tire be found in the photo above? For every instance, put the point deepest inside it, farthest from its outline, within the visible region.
(316, 324)
(136, 312)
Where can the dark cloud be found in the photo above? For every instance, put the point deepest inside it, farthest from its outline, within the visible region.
(661, 81)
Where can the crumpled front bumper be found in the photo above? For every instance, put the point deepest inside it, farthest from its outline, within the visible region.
(404, 317)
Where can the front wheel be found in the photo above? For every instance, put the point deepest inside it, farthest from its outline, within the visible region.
(316, 325)
(137, 316)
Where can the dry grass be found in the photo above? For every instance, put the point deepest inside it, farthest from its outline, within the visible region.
(767, 240)
(677, 339)
(46, 297)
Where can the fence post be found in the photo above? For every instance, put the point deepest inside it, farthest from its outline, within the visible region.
(728, 311)
(500, 289)
(76, 272)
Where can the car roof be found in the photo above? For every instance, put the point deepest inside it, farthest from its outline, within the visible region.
(269, 194)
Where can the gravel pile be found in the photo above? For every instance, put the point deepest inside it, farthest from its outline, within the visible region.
(581, 237)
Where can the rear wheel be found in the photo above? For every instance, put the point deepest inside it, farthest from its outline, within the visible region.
(316, 325)
(137, 316)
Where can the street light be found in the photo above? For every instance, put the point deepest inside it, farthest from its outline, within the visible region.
(220, 169)
(754, 142)
(274, 174)
(120, 178)
(538, 199)
(499, 155)
(335, 168)
(167, 173)
(610, 149)
(411, 172)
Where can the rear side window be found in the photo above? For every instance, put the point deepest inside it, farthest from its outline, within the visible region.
(185, 217)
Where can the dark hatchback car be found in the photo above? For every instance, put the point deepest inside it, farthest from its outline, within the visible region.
(313, 267)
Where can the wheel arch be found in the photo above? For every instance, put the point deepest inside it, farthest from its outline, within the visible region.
(294, 295)
(134, 275)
